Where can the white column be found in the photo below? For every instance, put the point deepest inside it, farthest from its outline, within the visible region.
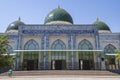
(103, 65)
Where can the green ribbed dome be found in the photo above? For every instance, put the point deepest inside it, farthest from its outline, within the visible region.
(101, 25)
(14, 25)
(58, 14)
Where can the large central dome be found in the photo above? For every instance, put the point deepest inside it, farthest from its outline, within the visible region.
(58, 16)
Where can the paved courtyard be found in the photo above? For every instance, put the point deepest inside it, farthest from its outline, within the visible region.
(60, 77)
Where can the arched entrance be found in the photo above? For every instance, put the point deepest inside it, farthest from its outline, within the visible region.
(110, 63)
(30, 59)
(86, 58)
(58, 58)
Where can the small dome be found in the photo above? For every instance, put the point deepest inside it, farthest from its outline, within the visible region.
(58, 15)
(101, 25)
(14, 25)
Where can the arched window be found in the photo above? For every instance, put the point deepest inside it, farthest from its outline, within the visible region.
(85, 45)
(58, 55)
(31, 45)
(109, 49)
(58, 45)
(9, 49)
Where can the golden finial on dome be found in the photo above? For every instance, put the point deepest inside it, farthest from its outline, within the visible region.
(97, 19)
(19, 18)
(58, 6)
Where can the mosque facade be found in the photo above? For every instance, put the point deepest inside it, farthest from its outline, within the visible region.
(59, 44)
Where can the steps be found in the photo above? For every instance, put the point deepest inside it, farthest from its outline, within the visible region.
(62, 72)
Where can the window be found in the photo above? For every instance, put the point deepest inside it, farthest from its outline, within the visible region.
(31, 45)
(58, 45)
(109, 49)
(9, 49)
(85, 45)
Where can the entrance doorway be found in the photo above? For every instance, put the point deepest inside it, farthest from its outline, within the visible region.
(32, 64)
(58, 64)
(85, 64)
(110, 63)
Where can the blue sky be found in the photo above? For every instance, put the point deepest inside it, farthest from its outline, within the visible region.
(82, 11)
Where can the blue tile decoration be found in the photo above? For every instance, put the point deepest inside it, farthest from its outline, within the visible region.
(45, 31)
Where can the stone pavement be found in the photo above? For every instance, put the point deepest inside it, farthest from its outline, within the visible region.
(60, 77)
(62, 72)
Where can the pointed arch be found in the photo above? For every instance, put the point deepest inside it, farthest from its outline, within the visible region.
(9, 49)
(109, 49)
(31, 45)
(58, 45)
(58, 55)
(85, 45)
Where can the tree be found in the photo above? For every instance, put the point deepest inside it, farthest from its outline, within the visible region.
(118, 57)
(6, 60)
(3, 43)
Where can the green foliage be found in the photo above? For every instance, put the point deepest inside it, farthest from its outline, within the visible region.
(6, 61)
(3, 43)
(117, 55)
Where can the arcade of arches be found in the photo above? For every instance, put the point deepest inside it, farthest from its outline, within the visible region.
(59, 59)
